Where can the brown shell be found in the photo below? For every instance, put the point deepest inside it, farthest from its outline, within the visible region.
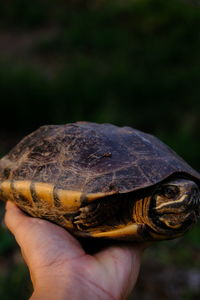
(93, 158)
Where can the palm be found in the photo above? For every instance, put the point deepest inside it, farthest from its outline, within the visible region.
(49, 249)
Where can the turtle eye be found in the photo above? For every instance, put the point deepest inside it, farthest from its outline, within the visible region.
(170, 191)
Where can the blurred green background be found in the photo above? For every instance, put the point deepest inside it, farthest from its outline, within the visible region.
(125, 62)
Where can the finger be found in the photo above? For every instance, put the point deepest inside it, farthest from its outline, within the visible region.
(24, 226)
(15, 221)
(14, 217)
(33, 234)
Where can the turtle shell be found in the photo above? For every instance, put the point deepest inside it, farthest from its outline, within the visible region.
(93, 158)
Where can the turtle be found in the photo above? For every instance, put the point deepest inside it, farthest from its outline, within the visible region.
(102, 181)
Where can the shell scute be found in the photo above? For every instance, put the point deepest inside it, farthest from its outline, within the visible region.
(25, 171)
(136, 178)
(45, 152)
(74, 157)
(48, 172)
(106, 182)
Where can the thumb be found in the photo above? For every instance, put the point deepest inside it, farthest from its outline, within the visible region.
(36, 235)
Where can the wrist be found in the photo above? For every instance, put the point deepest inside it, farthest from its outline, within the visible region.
(67, 289)
(53, 288)
(61, 286)
(50, 294)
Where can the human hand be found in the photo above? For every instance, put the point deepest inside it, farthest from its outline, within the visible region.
(59, 267)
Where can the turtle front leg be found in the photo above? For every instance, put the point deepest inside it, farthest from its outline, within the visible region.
(90, 216)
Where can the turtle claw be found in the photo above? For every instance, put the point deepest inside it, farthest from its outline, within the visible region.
(82, 214)
(88, 216)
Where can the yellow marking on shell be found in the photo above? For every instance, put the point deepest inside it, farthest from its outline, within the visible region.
(23, 188)
(5, 188)
(93, 196)
(44, 191)
(70, 200)
(120, 231)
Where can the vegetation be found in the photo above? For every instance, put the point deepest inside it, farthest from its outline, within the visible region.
(133, 63)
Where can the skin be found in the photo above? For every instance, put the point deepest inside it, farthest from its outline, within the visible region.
(60, 268)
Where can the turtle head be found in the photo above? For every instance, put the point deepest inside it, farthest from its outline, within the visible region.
(174, 207)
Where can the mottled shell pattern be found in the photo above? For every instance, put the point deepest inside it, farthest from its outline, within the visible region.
(93, 158)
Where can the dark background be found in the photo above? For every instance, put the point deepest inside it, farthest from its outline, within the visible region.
(133, 63)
